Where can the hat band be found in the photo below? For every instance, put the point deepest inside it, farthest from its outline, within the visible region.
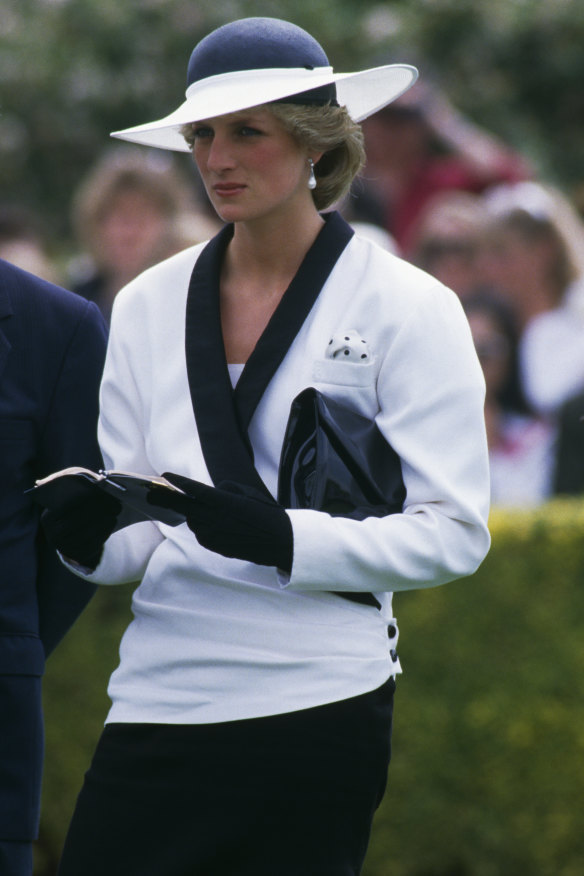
(323, 96)
(273, 84)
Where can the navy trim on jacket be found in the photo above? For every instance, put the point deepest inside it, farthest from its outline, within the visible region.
(222, 414)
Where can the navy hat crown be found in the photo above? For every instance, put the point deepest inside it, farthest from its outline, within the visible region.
(260, 44)
(254, 44)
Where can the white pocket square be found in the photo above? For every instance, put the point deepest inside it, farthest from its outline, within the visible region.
(348, 346)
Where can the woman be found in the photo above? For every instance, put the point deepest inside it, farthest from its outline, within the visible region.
(251, 718)
(535, 256)
(448, 241)
(132, 211)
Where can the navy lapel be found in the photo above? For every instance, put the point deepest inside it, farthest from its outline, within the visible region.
(290, 314)
(222, 414)
(225, 448)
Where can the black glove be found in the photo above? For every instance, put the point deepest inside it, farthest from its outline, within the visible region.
(232, 520)
(81, 526)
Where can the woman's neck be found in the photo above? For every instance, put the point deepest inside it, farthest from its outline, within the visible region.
(260, 263)
(267, 255)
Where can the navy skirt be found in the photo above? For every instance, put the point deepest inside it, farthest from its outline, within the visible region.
(285, 795)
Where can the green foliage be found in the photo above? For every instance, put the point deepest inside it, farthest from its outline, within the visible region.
(71, 71)
(488, 771)
(487, 776)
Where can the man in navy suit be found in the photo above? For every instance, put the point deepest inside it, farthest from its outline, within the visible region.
(52, 349)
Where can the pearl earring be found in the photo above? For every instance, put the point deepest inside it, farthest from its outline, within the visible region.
(311, 178)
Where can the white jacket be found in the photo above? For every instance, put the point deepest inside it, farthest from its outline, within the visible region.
(216, 639)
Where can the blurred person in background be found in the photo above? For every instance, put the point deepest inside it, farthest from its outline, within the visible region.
(422, 145)
(22, 243)
(52, 349)
(535, 258)
(133, 210)
(449, 239)
(376, 234)
(521, 444)
(366, 223)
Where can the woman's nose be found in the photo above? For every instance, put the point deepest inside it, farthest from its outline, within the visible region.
(220, 156)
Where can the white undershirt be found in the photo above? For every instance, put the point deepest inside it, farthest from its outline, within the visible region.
(235, 372)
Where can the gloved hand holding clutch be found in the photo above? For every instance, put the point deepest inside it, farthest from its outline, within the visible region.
(232, 520)
(80, 527)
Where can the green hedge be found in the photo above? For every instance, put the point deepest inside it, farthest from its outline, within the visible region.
(487, 776)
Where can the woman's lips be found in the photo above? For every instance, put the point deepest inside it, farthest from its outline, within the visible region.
(226, 190)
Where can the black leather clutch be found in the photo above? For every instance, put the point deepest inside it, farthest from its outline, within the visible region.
(335, 460)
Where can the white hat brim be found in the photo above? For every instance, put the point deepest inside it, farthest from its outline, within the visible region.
(362, 93)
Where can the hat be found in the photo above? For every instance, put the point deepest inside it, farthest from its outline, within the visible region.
(255, 61)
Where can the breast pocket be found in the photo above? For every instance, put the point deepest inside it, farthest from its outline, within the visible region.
(351, 383)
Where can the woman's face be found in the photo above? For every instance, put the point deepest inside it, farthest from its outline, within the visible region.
(131, 233)
(516, 265)
(250, 165)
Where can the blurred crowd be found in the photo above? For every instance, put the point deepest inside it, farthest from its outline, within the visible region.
(438, 191)
(133, 209)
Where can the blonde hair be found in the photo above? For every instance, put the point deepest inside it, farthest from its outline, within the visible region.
(327, 129)
(330, 130)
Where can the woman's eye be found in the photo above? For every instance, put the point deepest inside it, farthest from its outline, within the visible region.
(202, 133)
(247, 131)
